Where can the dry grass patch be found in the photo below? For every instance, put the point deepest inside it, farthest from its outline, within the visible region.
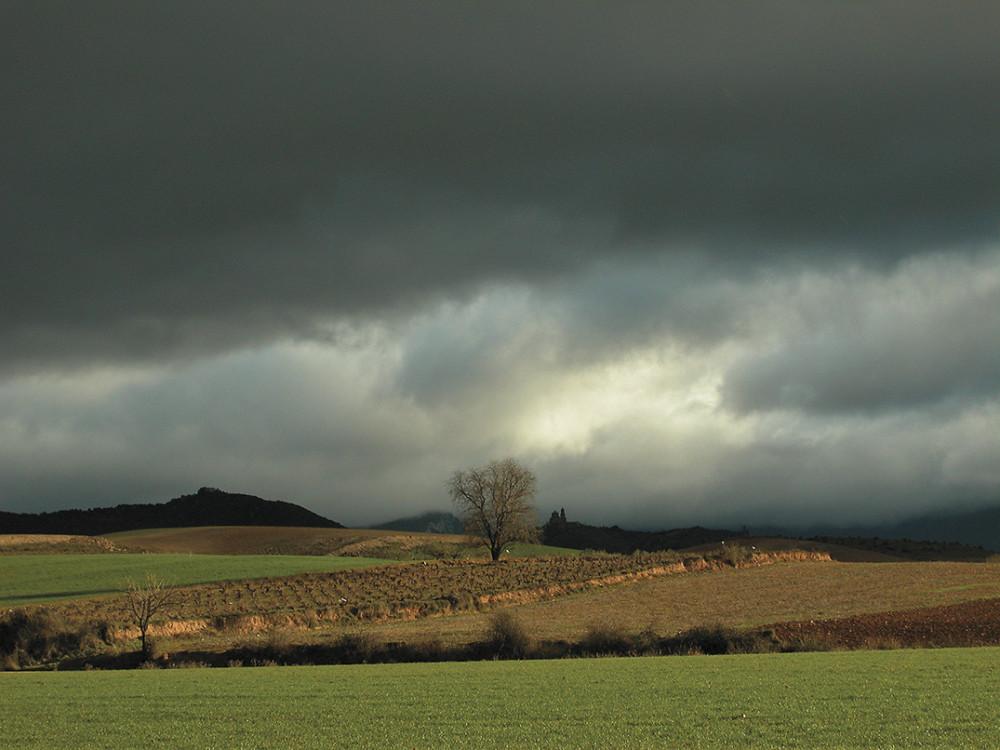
(735, 598)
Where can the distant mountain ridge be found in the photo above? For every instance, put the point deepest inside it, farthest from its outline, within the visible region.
(559, 532)
(973, 527)
(971, 535)
(433, 522)
(207, 507)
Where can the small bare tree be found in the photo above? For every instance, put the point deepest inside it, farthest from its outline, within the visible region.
(495, 503)
(146, 600)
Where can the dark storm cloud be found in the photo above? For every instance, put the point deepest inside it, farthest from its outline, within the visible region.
(694, 262)
(929, 332)
(183, 178)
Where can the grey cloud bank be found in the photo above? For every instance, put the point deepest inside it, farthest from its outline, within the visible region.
(694, 261)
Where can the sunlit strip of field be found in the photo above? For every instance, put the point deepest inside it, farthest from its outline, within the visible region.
(930, 699)
(32, 579)
(746, 597)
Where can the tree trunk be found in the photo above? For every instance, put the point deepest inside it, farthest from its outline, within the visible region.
(495, 553)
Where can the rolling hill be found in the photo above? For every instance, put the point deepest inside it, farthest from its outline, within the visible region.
(207, 507)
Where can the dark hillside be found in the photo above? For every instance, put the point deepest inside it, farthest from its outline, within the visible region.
(559, 532)
(208, 507)
(923, 536)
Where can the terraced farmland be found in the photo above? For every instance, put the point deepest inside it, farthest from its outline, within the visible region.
(404, 591)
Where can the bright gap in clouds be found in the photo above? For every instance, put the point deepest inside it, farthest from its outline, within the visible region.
(811, 396)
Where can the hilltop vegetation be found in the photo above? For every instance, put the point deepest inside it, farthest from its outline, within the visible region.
(207, 507)
(560, 531)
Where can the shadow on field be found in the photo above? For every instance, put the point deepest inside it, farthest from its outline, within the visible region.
(505, 639)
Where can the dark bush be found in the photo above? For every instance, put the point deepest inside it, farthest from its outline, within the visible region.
(278, 645)
(605, 640)
(647, 642)
(506, 637)
(718, 639)
(357, 648)
(34, 636)
(736, 554)
(154, 650)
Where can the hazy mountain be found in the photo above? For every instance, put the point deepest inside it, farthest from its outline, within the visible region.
(208, 507)
(977, 527)
(435, 522)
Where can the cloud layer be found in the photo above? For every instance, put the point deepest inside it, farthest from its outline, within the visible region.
(692, 261)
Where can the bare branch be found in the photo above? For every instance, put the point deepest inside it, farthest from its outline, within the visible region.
(145, 600)
(495, 502)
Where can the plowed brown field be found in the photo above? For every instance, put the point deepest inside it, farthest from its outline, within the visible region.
(974, 623)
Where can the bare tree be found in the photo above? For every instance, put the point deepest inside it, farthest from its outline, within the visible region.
(145, 600)
(495, 503)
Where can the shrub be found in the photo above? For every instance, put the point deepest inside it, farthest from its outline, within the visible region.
(429, 650)
(604, 640)
(356, 648)
(33, 636)
(647, 641)
(278, 645)
(735, 554)
(506, 637)
(154, 650)
(718, 639)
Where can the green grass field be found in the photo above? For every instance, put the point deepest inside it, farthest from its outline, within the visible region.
(890, 699)
(31, 579)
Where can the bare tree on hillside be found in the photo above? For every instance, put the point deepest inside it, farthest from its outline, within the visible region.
(495, 503)
(145, 600)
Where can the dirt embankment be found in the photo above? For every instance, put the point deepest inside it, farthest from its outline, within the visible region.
(973, 623)
(690, 565)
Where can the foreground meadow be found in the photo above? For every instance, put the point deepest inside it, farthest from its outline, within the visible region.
(901, 699)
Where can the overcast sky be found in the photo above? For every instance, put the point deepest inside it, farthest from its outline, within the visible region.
(692, 262)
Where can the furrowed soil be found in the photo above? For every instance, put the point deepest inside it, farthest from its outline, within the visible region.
(974, 623)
